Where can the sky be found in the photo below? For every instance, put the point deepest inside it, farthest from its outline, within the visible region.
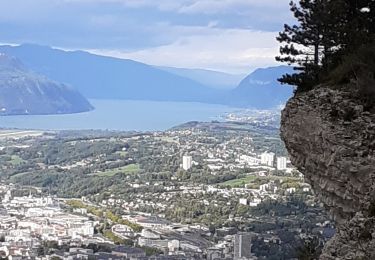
(234, 36)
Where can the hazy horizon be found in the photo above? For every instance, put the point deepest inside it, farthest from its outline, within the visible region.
(234, 36)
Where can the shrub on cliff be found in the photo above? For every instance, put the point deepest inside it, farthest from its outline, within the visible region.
(357, 69)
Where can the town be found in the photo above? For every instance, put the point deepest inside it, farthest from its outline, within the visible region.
(218, 190)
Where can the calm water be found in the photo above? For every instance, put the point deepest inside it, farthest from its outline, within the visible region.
(122, 115)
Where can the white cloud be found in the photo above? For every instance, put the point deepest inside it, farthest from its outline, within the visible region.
(224, 6)
(213, 35)
(194, 6)
(230, 50)
(165, 5)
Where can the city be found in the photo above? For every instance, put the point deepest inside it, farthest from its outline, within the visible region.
(187, 130)
(218, 190)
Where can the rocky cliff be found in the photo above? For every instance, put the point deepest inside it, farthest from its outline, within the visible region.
(331, 139)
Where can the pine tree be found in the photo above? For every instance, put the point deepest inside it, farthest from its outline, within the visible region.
(327, 32)
(356, 26)
(304, 43)
(353, 33)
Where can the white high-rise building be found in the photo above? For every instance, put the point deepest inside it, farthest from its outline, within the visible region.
(267, 159)
(187, 162)
(281, 163)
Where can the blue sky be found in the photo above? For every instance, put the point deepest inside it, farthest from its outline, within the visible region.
(228, 35)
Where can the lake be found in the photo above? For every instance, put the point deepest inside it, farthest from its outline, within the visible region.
(125, 115)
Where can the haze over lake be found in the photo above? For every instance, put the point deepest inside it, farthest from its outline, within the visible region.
(125, 115)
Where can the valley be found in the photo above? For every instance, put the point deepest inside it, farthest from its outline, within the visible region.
(236, 183)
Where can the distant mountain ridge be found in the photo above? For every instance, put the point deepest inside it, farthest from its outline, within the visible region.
(262, 90)
(211, 78)
(25, 92)
(101, 77)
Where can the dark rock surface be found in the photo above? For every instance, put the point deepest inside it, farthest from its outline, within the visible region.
(331, 140)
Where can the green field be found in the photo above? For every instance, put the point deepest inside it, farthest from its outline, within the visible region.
(122, 153)
(256, 181)
(128, 169)
(16, 160)
(237, 182)
(18, 176)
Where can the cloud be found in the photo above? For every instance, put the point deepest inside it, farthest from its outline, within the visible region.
(231, 35)
(230, 50)
(163, 5)
(225, 6)
(194, 6)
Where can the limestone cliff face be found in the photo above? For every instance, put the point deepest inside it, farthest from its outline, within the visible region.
(331, 139)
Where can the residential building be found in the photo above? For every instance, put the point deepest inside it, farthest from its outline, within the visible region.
(187, 162)
(267, 159)
(281, 163)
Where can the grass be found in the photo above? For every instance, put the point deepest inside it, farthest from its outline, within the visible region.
(122, 153)
(128, 169)
(16, 160)
(20, 174)
(251, 179)
(237, 182)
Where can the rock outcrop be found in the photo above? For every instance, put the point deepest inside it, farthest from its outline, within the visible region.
(331, 139)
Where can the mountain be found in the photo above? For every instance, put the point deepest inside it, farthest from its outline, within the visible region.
(211, 78)
(261, 89)
(103, 77)
(25, 92)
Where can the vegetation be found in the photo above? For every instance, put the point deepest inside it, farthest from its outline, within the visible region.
(239, 182)
(151, 251)
(128, 169)
(117, 240)
(253, 182)
(16, 160)
(310, 249)
(151, 181)
(331, 41)
(104, 213)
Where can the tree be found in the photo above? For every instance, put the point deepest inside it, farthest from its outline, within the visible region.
(305, 42)
(357, 22)
(310, 249)
(326, 34)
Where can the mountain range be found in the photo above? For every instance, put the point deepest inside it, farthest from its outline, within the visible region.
(210, 78)
(25, 92)
(261, 89)
(101, 77)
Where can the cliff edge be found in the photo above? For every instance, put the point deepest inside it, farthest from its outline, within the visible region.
(331, 139)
